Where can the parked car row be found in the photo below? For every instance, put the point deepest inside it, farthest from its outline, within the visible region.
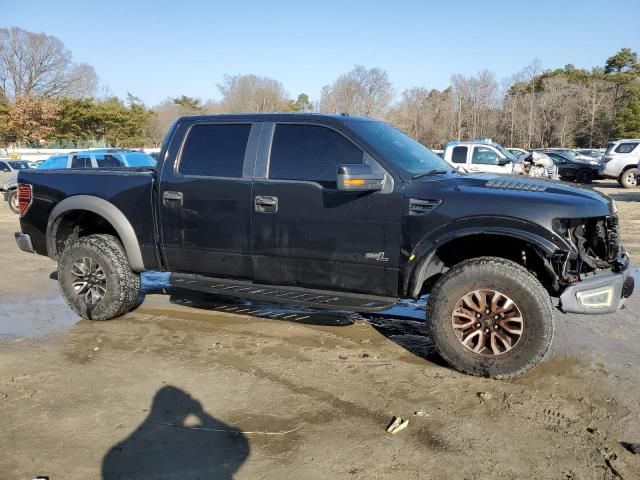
(97, 158)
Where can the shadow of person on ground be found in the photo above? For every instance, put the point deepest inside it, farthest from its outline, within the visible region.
(177, 440)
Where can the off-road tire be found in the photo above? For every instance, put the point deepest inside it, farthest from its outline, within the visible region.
(584, 176)
(122, 284)
(628, 178)
(12, 201)
(512, 280)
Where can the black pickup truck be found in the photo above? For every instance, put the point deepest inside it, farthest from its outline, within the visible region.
(336, 212)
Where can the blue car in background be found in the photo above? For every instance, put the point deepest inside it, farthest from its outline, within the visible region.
(99, 158)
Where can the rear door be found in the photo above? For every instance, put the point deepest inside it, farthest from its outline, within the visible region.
(205, 203)
(308, 233)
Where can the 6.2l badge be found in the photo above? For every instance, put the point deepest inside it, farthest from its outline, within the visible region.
(377, 256)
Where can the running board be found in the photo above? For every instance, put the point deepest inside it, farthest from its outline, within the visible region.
(324, 299)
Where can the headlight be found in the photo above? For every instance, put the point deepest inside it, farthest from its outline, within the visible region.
(614, 207)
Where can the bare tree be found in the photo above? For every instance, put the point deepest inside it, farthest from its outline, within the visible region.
(358, 92)
(35, 64)
(251, 93)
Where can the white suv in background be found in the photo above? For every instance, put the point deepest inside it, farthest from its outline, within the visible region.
(621, 160)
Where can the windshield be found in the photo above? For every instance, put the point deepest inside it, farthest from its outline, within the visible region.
(19, 165)
(139, 159)
(506, 152)
(399, 149)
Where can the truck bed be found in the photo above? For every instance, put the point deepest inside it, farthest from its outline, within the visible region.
(129, 189)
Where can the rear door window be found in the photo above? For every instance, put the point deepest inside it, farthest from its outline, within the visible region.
(108, 161)
(626, 147)
(215, 150)
(78, 161)
(311, 153)
(459, 155)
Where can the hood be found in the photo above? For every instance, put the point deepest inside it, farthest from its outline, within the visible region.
(514, 196)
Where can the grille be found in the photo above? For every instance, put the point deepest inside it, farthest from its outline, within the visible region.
(613, 236)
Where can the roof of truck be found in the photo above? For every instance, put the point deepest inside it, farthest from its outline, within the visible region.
(281, 117)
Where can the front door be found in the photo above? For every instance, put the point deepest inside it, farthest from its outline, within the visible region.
(308, 233)
(487, 159)
(205, 201)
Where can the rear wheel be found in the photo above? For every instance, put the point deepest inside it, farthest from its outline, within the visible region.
(12, 200)
(584, 176)
(628, 178)
(96, 280)
(490, 317)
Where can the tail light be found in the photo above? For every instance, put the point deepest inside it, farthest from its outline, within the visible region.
(25, 197)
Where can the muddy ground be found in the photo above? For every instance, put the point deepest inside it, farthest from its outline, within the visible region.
(190, 388)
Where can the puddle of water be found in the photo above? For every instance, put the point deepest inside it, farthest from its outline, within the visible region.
(25, 316)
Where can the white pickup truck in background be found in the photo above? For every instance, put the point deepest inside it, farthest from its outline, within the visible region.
(487, 156)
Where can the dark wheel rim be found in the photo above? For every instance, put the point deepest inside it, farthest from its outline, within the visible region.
(89, 280)
(630, 178)
(487, 322)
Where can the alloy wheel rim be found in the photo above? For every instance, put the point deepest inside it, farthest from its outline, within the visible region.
(487, 322)
(14, 202)
(89, 280)
(631, 179)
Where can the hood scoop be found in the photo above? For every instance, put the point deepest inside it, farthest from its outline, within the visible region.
(510, 184)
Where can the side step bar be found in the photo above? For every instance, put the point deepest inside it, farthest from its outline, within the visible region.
(324, 299)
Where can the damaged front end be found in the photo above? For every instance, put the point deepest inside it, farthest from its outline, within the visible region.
(593, 277)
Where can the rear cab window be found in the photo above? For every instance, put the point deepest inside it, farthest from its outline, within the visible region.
(214, 150)
(310, 153)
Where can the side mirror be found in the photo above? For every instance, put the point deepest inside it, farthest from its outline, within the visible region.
(503, 161)
(359, 178)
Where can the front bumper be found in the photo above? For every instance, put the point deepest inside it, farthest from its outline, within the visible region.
(24, 242)
(602, 293)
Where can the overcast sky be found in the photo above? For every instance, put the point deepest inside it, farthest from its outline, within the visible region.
(156, 49)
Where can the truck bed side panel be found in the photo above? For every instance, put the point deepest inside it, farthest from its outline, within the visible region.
(131, 191)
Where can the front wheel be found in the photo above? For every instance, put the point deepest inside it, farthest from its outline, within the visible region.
(95, 278)
(584, 176)
(628, 178)
(490, 317)
(12, 200)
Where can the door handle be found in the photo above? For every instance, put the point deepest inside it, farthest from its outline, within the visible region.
(172, 199)
(266, 204)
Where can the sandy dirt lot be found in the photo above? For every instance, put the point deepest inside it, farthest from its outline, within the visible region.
(193, 388)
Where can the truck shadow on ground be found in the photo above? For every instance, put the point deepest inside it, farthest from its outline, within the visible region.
(407, 331)
(178, 439)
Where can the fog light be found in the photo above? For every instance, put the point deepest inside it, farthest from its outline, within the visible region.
(595, 298)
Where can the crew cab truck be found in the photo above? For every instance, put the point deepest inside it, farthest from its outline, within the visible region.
(336, 212)
(480, 156)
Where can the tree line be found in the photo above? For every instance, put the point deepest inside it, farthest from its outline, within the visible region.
(47, 99)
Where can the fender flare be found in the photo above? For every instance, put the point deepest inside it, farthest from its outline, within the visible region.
(111, 214)
(427, 258)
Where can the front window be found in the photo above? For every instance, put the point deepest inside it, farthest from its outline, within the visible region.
(19, 165)
(310, 152)
(485, 156)
(398, 148)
